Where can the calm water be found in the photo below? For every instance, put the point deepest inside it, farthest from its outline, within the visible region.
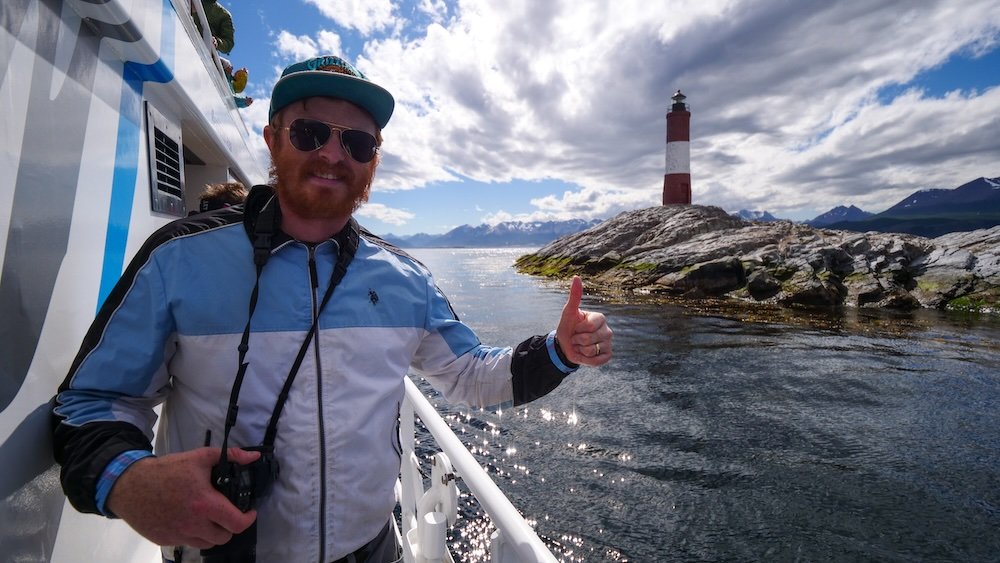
(727, 435)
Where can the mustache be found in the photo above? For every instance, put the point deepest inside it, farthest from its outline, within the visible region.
(276, 170)
(338, 170)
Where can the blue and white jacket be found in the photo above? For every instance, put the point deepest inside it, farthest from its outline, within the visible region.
(168, 335)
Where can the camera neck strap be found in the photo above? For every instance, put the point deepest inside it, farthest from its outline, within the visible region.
(348, 246)
(347, 251)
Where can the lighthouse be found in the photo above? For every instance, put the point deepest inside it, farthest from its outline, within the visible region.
(677, 179)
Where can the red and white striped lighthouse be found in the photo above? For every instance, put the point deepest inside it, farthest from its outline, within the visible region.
(677, 180)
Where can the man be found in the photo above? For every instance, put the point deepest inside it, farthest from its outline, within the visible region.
(237, 83)
(337, 318)
(223, 194)
(220, 25)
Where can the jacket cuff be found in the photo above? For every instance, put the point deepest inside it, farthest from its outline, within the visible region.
(84, 452)
(556, 355)
(536, 368)
(111, 474)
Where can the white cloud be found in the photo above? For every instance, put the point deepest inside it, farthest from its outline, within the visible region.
(786, 112)
(499, 217)
(888, 151)
(582, 204)
(437, 10)
(366, 16)
(329, 43)
(256, 117)
(385, 214)
(297, 47)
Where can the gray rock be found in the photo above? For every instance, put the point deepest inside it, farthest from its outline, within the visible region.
(707, 279)
(762, 285)
(696, 251)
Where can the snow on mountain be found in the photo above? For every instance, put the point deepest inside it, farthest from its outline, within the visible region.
(759, 215)
(511, 233)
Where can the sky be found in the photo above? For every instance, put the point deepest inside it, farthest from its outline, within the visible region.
(529, 110)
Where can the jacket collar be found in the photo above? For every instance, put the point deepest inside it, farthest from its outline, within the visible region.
(261, 209)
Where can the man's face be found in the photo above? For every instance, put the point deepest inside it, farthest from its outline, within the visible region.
(325, 183)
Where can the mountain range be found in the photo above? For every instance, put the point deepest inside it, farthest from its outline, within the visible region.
(511, 233)
(755, 215)
(930, 213)
(839, 214)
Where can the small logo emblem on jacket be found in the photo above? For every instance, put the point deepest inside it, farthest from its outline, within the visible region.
(373, 297)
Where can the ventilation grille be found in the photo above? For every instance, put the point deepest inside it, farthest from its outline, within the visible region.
(166, 164)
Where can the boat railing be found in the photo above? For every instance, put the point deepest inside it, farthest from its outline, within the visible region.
(426, 514)
(206, 35)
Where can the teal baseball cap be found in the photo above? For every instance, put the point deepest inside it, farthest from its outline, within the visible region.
(333, 77)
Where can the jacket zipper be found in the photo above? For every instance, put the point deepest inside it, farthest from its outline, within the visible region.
(314, 281)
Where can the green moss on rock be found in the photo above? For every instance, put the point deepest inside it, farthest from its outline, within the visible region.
(552, 267)
(782, 273)
(639, 267)
(984, 301)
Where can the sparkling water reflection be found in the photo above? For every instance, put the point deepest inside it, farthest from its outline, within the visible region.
(725, 434)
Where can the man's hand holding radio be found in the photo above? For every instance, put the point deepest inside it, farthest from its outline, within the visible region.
(171, 501)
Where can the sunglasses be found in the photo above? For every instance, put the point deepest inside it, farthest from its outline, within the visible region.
(308, 135)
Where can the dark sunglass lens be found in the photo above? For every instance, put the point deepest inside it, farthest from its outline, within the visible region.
(308, 134)
(360, 145)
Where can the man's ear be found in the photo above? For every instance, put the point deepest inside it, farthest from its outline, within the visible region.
(268, 136)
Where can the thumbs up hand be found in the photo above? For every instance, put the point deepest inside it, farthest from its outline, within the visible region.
(583, 336)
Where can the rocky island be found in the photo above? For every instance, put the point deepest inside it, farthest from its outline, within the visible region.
(696, 251)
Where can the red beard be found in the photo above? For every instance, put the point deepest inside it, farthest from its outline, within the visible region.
(289, 175)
